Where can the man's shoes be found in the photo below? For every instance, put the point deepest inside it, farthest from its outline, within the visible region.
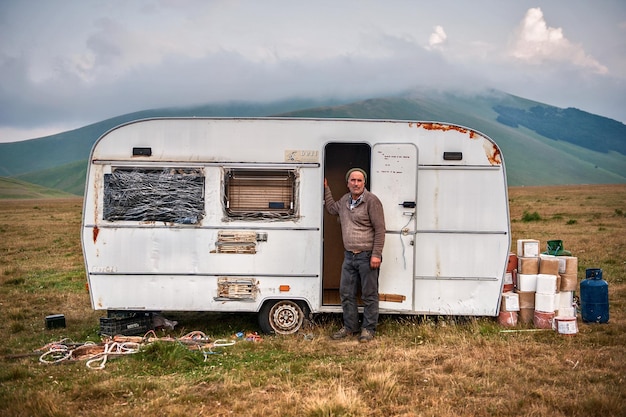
(366, 336)
(341, 334)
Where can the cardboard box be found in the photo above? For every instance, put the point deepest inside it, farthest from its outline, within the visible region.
(569, 282)
(528, 265)
(526, 299)
(549, 265)
(510, 302)
(527, 247)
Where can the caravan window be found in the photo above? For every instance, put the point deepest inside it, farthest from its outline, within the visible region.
(172, 195)
(250, 193)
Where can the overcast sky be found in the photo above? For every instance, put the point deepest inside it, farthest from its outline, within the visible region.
(68, 63)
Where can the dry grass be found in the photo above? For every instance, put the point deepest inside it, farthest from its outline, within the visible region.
(416, 366)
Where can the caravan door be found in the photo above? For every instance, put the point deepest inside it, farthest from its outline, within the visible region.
(394, 181)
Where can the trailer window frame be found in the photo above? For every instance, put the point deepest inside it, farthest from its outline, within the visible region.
(260, 193)
(172, 195)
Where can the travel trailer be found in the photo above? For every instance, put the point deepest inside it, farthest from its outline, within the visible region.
(227, 215)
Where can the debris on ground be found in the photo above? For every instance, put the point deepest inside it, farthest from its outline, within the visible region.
(97, 354)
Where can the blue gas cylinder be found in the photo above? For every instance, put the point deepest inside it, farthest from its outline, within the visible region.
(594, 297)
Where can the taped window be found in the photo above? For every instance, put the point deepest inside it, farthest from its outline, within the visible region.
(171, 195)
(261, 194)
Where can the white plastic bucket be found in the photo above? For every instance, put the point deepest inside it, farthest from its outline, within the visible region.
(566, 311)
(546, 284)
(527, 282)
(566, 325)
(566, 299)
(545, 302)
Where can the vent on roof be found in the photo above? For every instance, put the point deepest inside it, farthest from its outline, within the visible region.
(453, 156)
(142, 151)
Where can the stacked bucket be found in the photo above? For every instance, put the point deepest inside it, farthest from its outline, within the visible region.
(546, 295)
(527, 270)
(544, 287)
(509, 306)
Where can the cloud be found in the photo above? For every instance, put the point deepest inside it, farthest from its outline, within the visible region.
(537, 43)
(72, 63)
(9, 134)
(438, 38)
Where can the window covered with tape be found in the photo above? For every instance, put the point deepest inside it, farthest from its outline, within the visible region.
(171, 195)
(264, 194)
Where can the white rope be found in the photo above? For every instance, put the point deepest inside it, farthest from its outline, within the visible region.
(61, 351)
(115, 349)
(217, 344)
(55, 355)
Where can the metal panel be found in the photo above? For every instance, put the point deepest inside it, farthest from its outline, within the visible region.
(457, 256)
(394, 181)
(192, 250)
(190, 292)
(462, 200)
(470, 298)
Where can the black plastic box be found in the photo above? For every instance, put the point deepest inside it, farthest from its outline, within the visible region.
(126, 326)
(55, 321)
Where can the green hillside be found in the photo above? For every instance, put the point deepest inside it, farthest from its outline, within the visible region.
(530, 158)
(69, 177)
(541, 144)
(36, 155)
(11, 188)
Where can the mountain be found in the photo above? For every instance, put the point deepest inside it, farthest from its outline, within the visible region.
(544, 145)
(541, 144)
(34, 155)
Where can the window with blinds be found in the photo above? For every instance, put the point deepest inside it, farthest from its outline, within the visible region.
(260, 193)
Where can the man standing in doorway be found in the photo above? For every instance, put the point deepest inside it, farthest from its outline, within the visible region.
(363, 231)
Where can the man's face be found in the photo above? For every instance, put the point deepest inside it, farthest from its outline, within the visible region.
(356, 183)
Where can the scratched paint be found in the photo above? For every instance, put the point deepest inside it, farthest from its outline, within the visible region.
(96, 195)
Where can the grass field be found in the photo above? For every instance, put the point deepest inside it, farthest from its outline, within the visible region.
(417, 366)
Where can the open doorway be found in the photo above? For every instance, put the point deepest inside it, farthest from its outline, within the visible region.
(338, 159)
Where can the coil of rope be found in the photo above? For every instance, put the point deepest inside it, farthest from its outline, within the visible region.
(115, 349)
(97, 355)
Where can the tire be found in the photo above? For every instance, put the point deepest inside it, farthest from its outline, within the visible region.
(282, 316)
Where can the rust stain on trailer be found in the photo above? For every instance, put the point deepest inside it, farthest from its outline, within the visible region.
(443, 127)
(491, 150)
(98, 180)
(96, 231)
(493, 153)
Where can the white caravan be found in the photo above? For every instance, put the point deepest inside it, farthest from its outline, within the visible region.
(227, 215)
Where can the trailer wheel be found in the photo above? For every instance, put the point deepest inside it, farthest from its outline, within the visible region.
(282, 317)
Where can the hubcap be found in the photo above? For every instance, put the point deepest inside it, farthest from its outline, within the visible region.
(286, 318)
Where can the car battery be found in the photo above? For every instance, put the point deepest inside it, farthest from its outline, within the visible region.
(55, 321)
